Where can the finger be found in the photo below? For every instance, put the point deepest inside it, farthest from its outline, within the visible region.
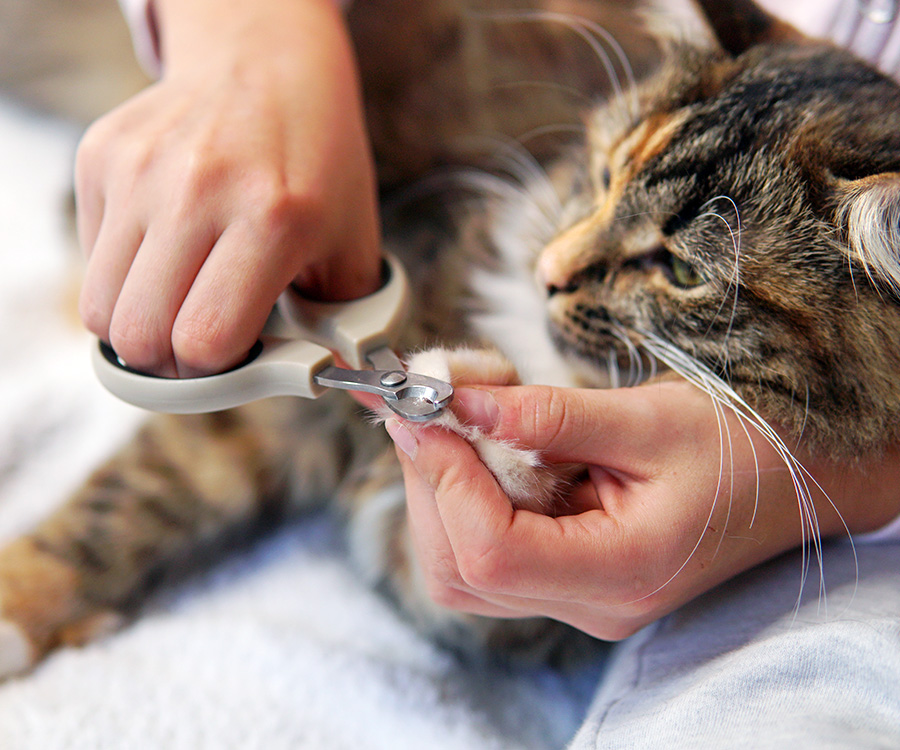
(109, 261)
(433, 553)
(160, 276)
(348, 268)
(89, 205)
(617, 427)
(231, 298)
(502, 551)
(576, 569)
(89, 198)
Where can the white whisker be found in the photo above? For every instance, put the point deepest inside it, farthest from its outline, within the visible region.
(612, 365)
(720, 419)
(490, 185)
(723, 421)
(593, 34)
(562, 88)
(735, 280)
(518, 162)
(635, 363)
(755, 467)
(550, 130)
(725, 396)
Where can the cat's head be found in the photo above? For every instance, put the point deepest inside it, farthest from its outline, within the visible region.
(744, 208)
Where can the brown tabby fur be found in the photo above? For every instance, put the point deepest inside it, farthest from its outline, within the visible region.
(712, 216)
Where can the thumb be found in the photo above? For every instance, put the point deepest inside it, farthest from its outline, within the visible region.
(614, 427)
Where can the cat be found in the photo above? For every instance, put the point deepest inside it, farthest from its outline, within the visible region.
(731, 218)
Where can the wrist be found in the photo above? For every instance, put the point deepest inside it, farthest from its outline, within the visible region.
(193, 34)
(866, 492)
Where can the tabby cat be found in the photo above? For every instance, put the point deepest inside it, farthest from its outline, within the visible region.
(733, 218)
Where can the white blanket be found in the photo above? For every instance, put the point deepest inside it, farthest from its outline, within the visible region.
(280, 646)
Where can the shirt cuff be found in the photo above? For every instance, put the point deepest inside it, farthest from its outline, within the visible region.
(141, 20)
(889, 533)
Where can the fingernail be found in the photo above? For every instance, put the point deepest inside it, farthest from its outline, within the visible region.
(402, 437)
(476, 407)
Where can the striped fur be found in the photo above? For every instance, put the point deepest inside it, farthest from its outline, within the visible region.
(734, 218)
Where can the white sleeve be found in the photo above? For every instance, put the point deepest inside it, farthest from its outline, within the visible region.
(141, 20)
(889, 533)
(870, 28)
(144, 36)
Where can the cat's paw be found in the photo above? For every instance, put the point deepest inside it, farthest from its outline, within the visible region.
(17, 654)
(527, 480)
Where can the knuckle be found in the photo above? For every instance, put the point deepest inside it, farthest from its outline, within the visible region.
(92, 156)
(483, 569)
(445, 596)
(96, 318)
(441, 573)
(199, 175)
(91, 144)
(281, 213)
(537, 414)
(137, 341)
(201, 341)
(558, 415)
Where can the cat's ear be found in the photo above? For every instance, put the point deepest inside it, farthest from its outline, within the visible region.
(740, 24)
(868, 214)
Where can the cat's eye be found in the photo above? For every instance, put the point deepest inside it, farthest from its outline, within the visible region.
(684, 274)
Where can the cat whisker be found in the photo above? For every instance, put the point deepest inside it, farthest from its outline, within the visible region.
(746, 430)
(720, 419)
(595, 36)
(735, 280)
(490, 185)
(560, 87)
(513, 158)
(730, 481)
(550, 130)
(805, 414)
(724, 396)
(612, 364)
(635, 363)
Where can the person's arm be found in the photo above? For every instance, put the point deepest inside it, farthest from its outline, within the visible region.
(244, 168)
(675, 503)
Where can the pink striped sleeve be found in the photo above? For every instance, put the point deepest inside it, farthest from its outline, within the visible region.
(870, 28)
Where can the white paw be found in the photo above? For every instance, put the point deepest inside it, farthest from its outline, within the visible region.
(16, 652)
(529, 483)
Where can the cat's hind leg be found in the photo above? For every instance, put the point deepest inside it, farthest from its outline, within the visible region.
(181, 490)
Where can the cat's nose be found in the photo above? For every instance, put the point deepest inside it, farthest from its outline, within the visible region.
(556, 272)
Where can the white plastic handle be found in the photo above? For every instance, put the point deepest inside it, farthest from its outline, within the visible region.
(355, 328)
(278, 366)
(283, 367)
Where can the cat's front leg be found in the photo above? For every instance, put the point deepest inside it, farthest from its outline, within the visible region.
(382, 546)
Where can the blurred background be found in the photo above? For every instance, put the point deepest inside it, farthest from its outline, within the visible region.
(71, 57)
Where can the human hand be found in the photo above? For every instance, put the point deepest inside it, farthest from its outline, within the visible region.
(245, 168)
(663, 515)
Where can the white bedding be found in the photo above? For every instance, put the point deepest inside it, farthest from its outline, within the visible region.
(280, 646)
